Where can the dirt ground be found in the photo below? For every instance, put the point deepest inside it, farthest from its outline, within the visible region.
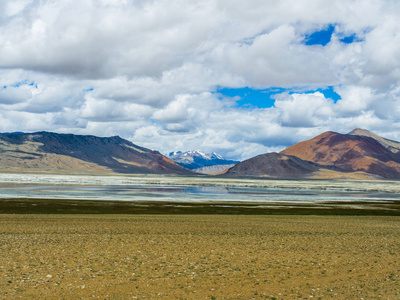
(199, 257)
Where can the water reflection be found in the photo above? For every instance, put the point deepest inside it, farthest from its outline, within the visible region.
(190, 193)
(206, 190)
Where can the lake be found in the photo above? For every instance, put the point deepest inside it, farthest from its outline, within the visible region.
(194, 189)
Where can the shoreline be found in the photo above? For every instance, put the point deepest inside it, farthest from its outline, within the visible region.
(74, 206)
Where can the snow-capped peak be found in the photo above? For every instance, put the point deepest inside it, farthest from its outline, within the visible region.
(174, 153)
(197, 159)
(196, 153)
(216, 155)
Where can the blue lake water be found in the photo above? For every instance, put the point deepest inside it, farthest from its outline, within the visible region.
(153, 188)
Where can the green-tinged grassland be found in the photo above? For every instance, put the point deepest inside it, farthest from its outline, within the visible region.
(105, 256)
(74, 206)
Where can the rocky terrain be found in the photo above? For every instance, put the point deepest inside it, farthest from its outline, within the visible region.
(357, 154)
(389, 144)
(275, 165)
(44, 152)
(158, 256)
(348, 153)
(360, 154)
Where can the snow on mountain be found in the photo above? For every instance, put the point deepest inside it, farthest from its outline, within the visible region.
(198, 159)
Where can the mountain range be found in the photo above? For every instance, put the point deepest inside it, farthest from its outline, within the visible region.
(80, 154)
(358, 154)
(206, 163)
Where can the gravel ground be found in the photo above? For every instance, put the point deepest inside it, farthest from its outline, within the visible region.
(199, 257)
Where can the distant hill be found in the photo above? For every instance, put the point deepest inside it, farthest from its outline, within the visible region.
(212, 170)
(273, 165)
(83, 154)
(197, 159)
(359, 153)
(348, 153)
(389, 144)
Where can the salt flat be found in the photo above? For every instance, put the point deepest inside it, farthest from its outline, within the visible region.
(194, 189)
(349, 185)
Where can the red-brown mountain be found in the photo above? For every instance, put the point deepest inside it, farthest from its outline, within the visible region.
(393, 146)
(348, 153)
(352, 155)
(84, 154)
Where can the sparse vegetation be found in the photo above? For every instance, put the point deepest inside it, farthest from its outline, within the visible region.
(74, 206)
(199, 257)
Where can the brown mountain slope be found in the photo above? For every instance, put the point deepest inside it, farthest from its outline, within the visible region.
(391, 145)
(274, 165)
(348, 153)
(68, 153)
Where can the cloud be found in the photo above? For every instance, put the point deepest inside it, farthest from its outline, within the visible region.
(109, 110)
(304, 110)
(15, 94)
(186, 107)
(150, 70)
(354, 99)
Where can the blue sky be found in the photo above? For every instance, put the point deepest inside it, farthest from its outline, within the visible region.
(237, 79)
(21, 83)
(320, 37)
(263, 98)
(253, 98)
(323, 37)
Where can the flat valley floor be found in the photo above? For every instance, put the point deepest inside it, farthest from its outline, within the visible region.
(50, 256)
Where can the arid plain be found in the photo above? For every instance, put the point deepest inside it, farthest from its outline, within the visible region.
(51, 256)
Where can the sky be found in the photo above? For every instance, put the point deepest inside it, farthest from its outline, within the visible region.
(239, 78)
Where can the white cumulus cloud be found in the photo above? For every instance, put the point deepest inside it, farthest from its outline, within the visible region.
(150, 71)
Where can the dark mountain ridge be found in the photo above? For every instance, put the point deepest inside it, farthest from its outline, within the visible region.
(358, 154)
(275, 165)
(110, 153)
